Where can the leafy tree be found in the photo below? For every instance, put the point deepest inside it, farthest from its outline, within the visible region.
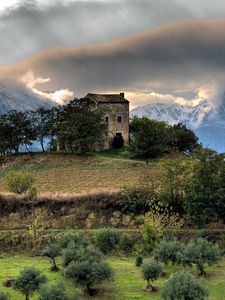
(107, 239)
(182, 138)
(89, 272)
(151, 271)
(29, 281)
(12, 241)
(56, 292)
(168, 251)
(138, 261)
(52, 251)
(79, 240)
(20, 182)
(148, 137)
(183, 286)
(80, 125)
(202, 188)
(201, 253)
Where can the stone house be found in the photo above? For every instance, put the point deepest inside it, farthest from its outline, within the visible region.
(115, 110)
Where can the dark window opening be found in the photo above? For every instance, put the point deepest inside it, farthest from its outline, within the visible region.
(119, 134)
(107, 119)
(119, 119)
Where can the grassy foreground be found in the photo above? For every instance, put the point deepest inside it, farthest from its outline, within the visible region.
(128, 283)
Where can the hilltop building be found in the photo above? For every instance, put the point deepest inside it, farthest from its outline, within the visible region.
(115, 110)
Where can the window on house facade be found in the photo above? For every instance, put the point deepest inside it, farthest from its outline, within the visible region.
(119, 119)
(107, 119)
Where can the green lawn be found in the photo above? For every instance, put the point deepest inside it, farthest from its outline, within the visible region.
(128, 283)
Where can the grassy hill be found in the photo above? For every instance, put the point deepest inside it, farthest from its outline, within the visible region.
(58, 173)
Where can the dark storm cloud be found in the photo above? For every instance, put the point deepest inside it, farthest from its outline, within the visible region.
(181, 56)
(31, 26)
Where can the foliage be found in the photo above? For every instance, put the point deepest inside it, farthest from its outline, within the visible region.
(56, 291)
(151, 271)
(182, 139)
(20, 182)
(52, 250)
(204, 189)
(127, 244)
(168, 251)
(138, 261)
(148, 137)
(11, 241)
(201, 252)
(4, 296)
(29, 280)
(183, 286)
(78, 239)
(134, 200)
(107, 239)
(118, 142)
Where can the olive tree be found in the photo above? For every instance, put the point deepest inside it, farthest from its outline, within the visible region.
(56, 291)
(168, 251)
(151, 270)
(52, 251)
(4, 296)
(183, 286)
(201, 252)
(29, 281)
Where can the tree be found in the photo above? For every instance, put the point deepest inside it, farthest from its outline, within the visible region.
(4, 296)
(79, 240)
(107, 239)
(52, 251)
(182, 285)
(127, 244)
(87, 273)
(80, 125)
(148, 137)
(56, 292)
(182, 139)
(202, 188)
(201, 253)
(151, 271)
(168, 251)
(29, 281)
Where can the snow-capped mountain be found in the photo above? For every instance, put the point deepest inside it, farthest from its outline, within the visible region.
(206, 120)
(20, 98)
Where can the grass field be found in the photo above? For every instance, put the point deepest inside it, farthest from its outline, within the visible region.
(127, 284)
(74, 174)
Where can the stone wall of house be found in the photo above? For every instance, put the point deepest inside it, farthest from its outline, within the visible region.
(112, 111)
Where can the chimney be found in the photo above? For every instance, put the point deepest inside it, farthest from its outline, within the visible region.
(122, 95)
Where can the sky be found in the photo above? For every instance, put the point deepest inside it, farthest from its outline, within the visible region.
(153, 50)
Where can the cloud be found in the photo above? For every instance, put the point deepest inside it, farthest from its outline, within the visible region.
(176, 59)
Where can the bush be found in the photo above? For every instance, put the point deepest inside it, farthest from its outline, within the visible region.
(127, 244)
(169, 251)
(78, 239)
(118, 142)
(20, 182)
(29, 281)
(56, 292)
(4, 296)
(182, 285)
(201, 253)
(107, 239)
(138, 261)
(151, 271)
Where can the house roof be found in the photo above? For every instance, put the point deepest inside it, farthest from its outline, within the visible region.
(107, 98)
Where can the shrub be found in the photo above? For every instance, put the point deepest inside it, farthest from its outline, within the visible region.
(201, 252)
(89, 269)
(168, 251)
(56, 292)
(78, 239)
(151, 271)
(182, 285)
(4, 296)
(127, 244)
(52, 251)
(20, 182)
(29, 281)
(138, 261)
(107, 239)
